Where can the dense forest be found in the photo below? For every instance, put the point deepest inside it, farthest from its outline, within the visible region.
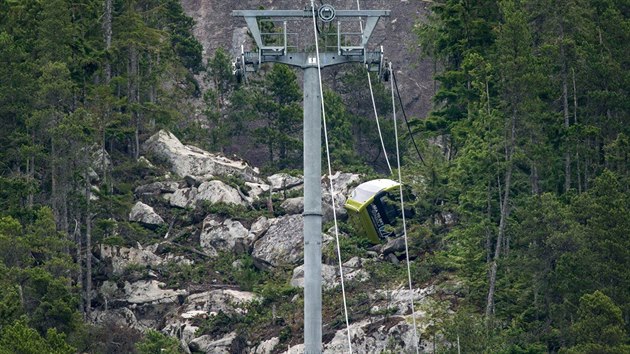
(533, 105)
(526, 151)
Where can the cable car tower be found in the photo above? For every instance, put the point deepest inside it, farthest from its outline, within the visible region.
(278, 45)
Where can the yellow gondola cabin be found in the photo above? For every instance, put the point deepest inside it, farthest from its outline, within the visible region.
(371, 209)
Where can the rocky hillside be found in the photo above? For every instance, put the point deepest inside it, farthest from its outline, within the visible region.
(218, 263)
(215, 27)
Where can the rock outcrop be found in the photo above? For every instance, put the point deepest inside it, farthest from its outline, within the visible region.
(135, 294)
(282, 243)
(205, 344)
(352, 270)
(150, 291)
(122, 258)
(156, 188)
(391, 334)
(329, 277)
(145, 215)
(190, 160)
(227, 235)
(284, 181)
(211, 192)
(400, 299)
(202, 306)
(266, 347)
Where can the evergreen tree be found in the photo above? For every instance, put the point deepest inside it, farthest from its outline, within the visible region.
(279, 109)
(599, 328)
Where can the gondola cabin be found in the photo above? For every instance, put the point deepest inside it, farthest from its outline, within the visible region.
(372, 209)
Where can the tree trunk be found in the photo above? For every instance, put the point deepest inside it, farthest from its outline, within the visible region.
(488, 231)
(79, 254)
(505, 212)
(575, 121)
(133, 96)
(535, 180)
(31, 177)
(64, 204)
(54, 188)
(152, 91)
(565, 110)
(107, 36)
(88, 250)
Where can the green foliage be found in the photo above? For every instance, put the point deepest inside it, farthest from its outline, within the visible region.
(247, 276)
(219, 324)
(353, 125)
(19, 338)
(340, 138)
(267, 109)
(155, 342)
(386, 273)
(518, 108)
(468, 330)
(279, 106)
(49, 301)
(34, 286)
(216, 99)
(599, 321)
(13, 193)
(179, 25)
(349, 246)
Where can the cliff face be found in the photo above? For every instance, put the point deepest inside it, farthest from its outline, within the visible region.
(215, 27)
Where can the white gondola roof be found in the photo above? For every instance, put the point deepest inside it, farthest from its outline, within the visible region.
(368, 189)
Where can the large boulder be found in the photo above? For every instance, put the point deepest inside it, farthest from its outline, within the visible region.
(284, 181)
(282, 243)
(259, 227)
(394, 334)
(295, 205)
(190, 160)
(400, 299)
(120, 317)
(181, 324)
(352, 270)
(123, 257)
(341, 186)
(341, 181)
(100, 161)
(145, 215)
(388, 334)
(218, 192)
(394, 246)
(221, 300)
(184, 198)
(257, 190)
(211, 191)
(183, 328)
(156, 188)
(329, 277)
(227, 235)
(265, 347)
(229, 343)
(151, 291)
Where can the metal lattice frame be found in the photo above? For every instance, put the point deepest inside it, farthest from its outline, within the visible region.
(280, 54)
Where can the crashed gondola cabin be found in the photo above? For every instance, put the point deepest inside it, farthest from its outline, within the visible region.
(374, 210)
